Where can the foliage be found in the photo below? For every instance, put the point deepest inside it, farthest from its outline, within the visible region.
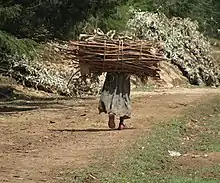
(206, 12)
(50, 19)
(22, 22)
(10, 45)
(184, 44)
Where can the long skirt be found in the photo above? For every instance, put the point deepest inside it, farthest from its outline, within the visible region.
(115, 96)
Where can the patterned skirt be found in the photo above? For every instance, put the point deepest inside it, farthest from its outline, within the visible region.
(115, 96)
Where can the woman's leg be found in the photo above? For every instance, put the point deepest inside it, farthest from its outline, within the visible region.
(115, 98)
(121, 125)
(111, 120)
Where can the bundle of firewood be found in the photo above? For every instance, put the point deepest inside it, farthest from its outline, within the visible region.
(134, 57)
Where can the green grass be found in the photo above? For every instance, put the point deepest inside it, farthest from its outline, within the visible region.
(148, 161)
(10, 45)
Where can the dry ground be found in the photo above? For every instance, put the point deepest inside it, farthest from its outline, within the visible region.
(41, 136)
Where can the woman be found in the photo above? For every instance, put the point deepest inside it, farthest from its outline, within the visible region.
(115, 98)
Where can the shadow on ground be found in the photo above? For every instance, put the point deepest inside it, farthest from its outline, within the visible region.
(6, 109)
(12, 100)
(87, 130)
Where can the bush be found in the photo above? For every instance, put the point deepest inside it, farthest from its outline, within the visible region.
(10, 45)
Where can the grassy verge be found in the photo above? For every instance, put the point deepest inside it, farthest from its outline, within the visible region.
(10, 45)
(196, 135)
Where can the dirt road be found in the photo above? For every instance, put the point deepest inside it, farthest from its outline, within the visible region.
(40, 137)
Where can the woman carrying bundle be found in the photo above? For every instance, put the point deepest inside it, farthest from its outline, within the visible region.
(115, 98)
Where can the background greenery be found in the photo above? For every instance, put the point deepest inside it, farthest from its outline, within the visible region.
(55, 19)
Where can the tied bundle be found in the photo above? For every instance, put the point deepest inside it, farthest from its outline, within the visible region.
(140, 58)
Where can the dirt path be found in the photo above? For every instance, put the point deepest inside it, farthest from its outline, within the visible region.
(40, 137)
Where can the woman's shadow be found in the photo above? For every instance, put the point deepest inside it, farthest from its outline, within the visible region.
(88, 130)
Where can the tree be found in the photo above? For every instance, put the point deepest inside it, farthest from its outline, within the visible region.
(51, 18)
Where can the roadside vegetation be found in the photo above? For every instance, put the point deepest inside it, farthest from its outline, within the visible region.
(194, 137)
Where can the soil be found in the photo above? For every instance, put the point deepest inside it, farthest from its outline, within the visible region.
(199, 160)
(41, 135)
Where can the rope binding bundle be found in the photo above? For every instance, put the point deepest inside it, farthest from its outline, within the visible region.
(101, 53)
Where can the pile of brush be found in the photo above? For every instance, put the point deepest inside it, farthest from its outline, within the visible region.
(184, 45)
(118, 55)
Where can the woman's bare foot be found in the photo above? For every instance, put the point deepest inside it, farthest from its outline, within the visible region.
(121, 125)
(111, 121)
